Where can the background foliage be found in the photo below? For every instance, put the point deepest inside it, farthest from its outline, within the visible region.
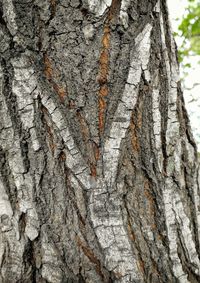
(189, 30)
(185, 16)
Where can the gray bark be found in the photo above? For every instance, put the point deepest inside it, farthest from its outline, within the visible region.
(98, 167)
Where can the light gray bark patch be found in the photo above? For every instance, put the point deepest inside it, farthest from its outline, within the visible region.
(99, 6)
(9, 14)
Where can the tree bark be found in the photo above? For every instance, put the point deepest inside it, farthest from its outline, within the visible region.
(98, 166)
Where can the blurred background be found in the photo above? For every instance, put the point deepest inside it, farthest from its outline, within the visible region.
(185, 20)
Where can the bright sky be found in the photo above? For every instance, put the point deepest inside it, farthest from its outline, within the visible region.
(192, 97)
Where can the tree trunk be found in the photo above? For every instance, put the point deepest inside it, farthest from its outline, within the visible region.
(98, 167)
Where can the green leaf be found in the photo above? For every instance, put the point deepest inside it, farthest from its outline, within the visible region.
(190, 30)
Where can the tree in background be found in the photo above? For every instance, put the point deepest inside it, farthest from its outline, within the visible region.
(187, 35)
(190, 31)
(98, 167)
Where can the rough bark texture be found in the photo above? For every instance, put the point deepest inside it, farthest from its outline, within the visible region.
(98, 168)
